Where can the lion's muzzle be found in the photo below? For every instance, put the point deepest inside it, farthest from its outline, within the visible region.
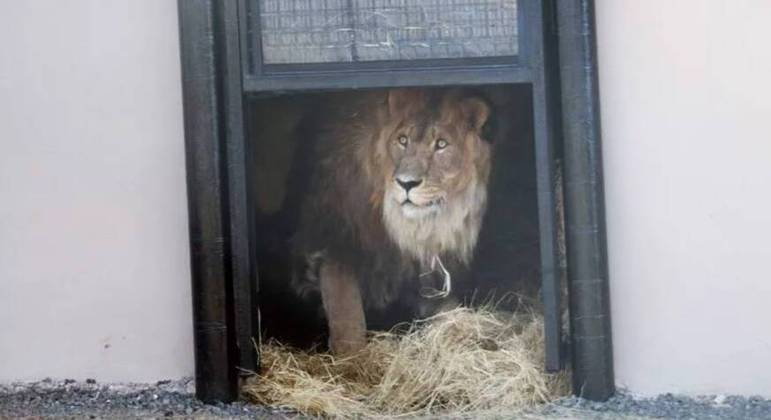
(416, 199)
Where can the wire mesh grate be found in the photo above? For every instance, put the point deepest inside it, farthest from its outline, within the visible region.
(322, 31)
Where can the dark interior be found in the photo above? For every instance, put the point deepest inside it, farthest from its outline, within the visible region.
(506, 264)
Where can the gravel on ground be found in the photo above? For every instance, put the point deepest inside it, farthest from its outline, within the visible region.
(174, 399)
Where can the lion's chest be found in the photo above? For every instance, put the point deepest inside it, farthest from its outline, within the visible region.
(453, 231)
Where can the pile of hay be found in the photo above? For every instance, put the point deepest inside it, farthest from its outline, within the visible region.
(461, 361)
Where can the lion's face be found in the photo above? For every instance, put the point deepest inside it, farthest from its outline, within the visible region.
(436, 167)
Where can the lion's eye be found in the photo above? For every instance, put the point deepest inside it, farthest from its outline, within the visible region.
(403, 140)
(441, 144)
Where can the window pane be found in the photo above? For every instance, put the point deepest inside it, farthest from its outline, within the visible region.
(323, 31)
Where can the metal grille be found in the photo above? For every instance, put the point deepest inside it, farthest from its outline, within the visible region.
(323, 31)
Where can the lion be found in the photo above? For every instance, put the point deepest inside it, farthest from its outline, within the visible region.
(394, 206)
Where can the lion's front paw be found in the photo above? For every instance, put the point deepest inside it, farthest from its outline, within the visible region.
(347, 345)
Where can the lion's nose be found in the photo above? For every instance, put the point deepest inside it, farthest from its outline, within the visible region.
(408, 184)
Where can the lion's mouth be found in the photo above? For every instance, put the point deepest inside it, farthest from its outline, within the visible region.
(430, 203)
(413, 210)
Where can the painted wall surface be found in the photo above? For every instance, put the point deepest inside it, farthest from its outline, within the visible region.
(94, 265)
(686, 103)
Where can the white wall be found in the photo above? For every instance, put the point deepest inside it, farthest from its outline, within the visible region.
(94, 266)
(686, 103)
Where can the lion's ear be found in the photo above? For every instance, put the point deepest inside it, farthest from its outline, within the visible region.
(476, 112)
(401, 100)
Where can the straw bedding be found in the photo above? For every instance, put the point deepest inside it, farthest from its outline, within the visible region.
(461, 361)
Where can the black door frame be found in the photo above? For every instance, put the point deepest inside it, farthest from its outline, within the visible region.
(563, 73)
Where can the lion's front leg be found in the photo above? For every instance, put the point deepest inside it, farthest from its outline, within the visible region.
(341, 297)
